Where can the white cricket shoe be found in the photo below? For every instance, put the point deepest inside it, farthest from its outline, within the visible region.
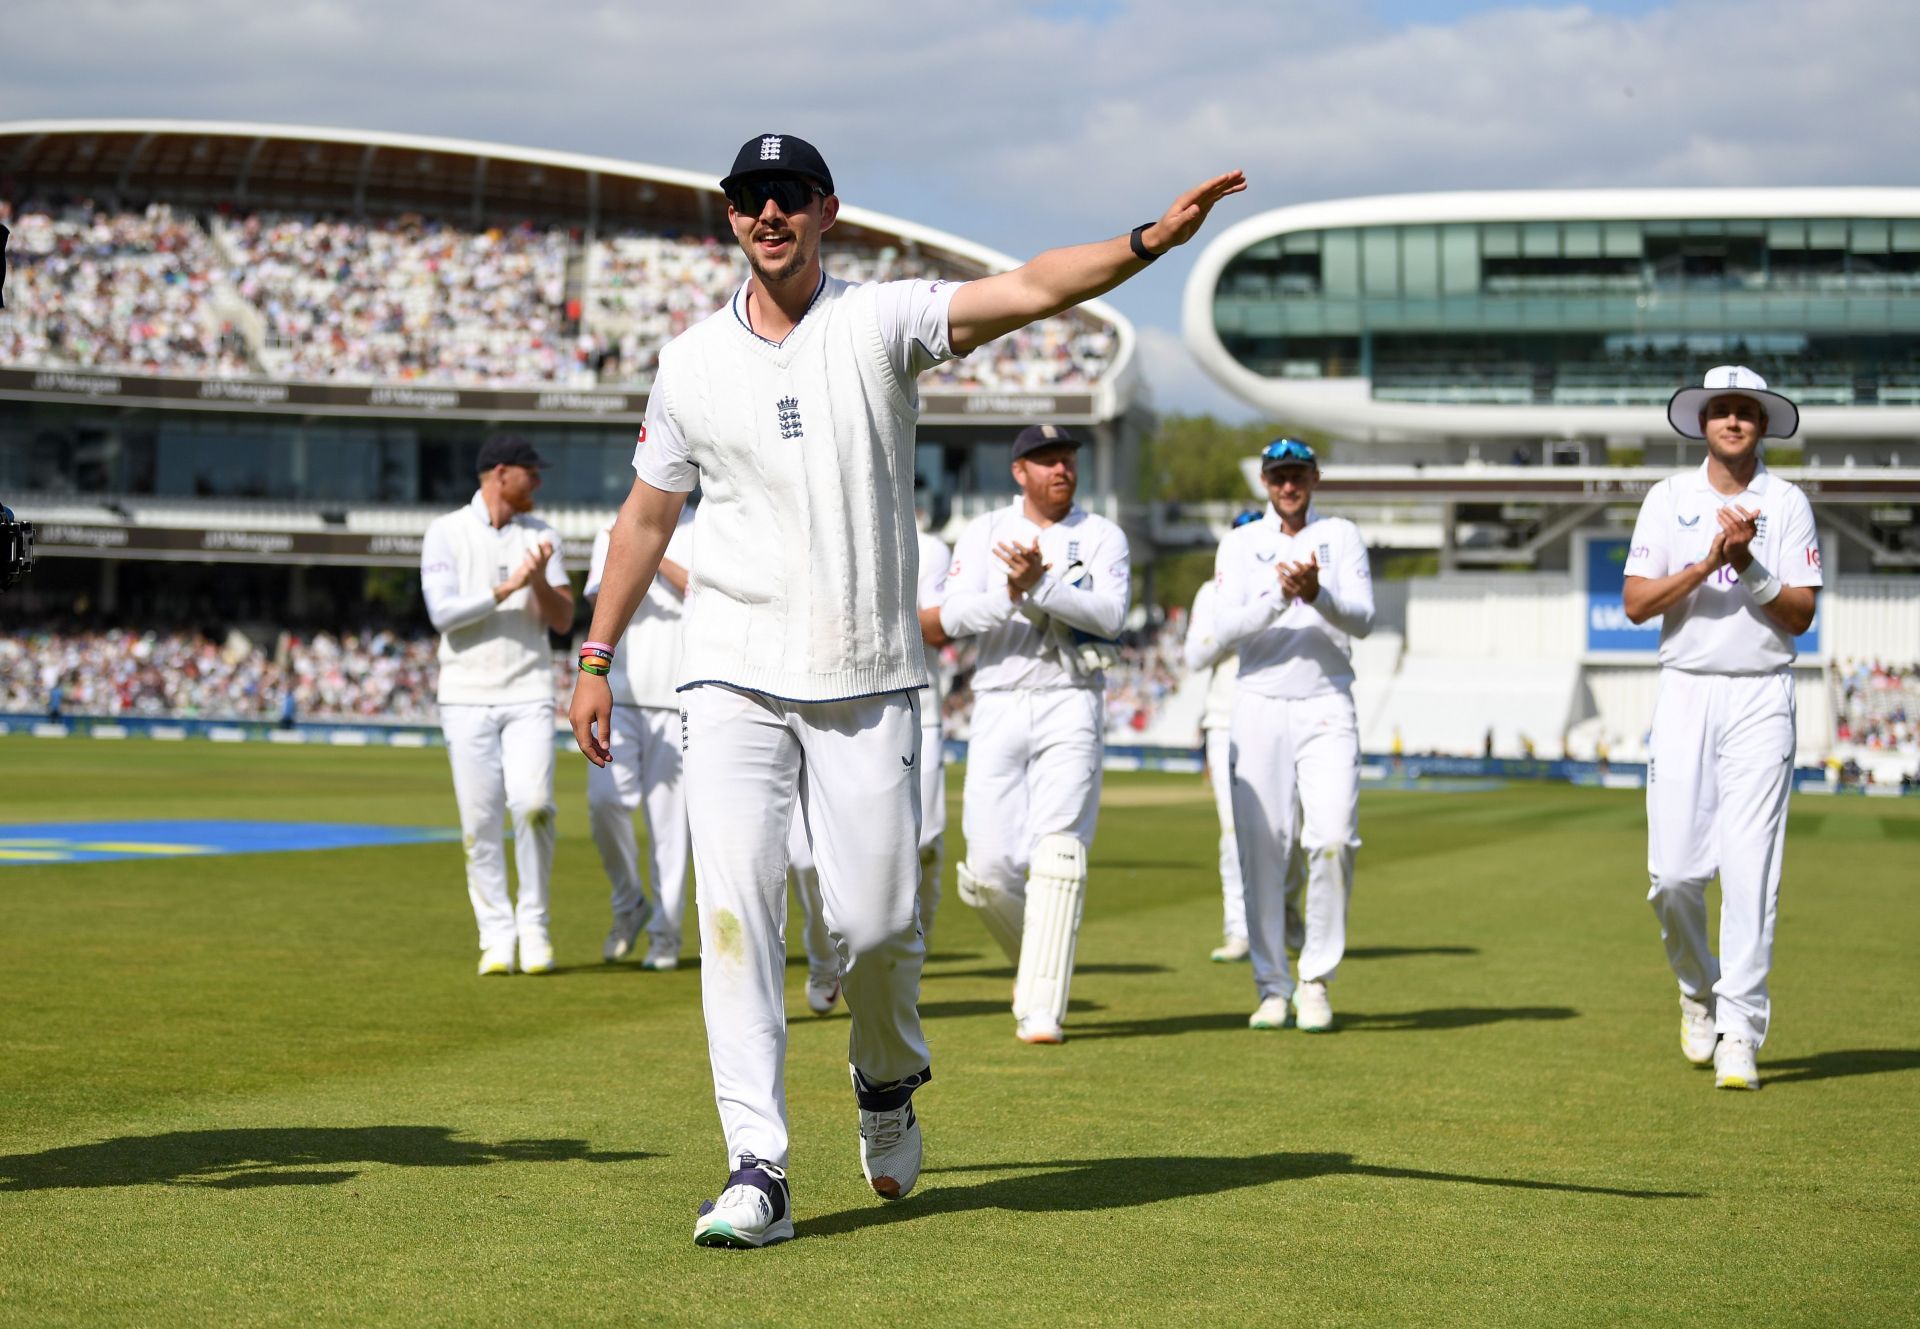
(1236, 948)
(1272, 1014)
(1733, 1065)
(822, 994)
(536, 955)
(1312, 1012)
(1038, 1029)
(1697, 1035)
(890, 1146)
(626, 932)
(661, 957)
(496, 960)
(753, 1210)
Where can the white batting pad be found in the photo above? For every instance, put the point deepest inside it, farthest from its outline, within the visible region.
(1056, 892)
(1000, 912)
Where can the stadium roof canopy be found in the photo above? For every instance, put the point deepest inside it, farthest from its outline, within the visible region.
(218, 165)
(1564, 313)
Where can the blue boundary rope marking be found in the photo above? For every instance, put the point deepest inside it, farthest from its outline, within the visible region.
(37, 844)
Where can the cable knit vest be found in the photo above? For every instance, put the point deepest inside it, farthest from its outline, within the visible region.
(805, 556)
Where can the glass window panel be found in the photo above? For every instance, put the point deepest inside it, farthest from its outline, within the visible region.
(1706, 228)
(1906, 236)
(1460, 259)
(1581, 239)
(1340, 262)
(1827, 234)
(1500, 241)
(1746, 228)
(1303, 242)
(1420, 260)
(1622, 239)
(1380, 246)
(1540, 240)
(1869, 237)
(1787, 234)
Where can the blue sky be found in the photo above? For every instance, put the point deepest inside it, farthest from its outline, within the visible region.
(1024, 125)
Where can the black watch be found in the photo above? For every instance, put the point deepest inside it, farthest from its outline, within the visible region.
(1140, 250)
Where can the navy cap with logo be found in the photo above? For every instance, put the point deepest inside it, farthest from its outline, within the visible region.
(507, 450)
(778, 154)
(1035, 437)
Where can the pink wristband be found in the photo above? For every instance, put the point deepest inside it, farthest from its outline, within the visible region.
(598, 645)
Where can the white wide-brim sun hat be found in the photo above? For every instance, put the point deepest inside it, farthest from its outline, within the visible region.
(1683, 412)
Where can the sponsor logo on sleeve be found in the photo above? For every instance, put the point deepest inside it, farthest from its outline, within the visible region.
(1813, 556)
(643, 437)
(1640, 551)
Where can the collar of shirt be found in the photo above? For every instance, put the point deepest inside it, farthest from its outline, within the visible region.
(1697, 480)
(740, 309)
(1019, 510)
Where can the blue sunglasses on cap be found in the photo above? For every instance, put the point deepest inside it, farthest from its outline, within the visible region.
(1283, 450)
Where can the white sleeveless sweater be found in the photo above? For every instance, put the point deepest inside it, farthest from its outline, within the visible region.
(805, 557)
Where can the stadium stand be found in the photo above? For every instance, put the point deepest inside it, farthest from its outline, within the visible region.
(415, 299)
(131, 291)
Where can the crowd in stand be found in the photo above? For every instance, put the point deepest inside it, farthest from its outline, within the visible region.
(1878, 705)
(406, 299)
(126, 291)
(132, 672)
(414, 300)
(379, 674)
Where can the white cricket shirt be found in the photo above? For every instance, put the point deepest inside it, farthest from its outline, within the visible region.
(1202, 652)
(490, 654)
(1718, 629)
(931, 594)
(646, 664)
(1288, 648)
(806, 556)
(1086, 589)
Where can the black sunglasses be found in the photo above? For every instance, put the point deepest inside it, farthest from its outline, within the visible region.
(790, 193)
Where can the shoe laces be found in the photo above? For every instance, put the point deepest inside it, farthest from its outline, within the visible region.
(884, 1130)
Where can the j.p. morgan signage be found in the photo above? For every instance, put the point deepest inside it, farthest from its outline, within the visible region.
(408, 399)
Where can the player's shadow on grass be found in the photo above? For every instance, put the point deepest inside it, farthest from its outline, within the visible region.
(1456, 1017)
(1834, 1065)
(266, 1156)
(1446, 1017)
(1082, 1185)
(1007, 971)
(960, 1010)
(1402, 952)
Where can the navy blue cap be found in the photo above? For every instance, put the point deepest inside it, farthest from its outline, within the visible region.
(507, 450)
(779, 154)
(1035, 437)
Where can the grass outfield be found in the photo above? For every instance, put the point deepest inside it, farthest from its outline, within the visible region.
(267, 1089)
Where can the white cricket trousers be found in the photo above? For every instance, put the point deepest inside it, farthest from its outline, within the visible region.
(852, 766)
(1233, 898)
(502, 759)
(1718, 776)
(823, 961)
(1033, 769)
(644, 772)
(1295, 770)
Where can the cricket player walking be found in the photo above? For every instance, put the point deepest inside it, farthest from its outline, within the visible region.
(1201, 652)
(1729, 559)
(1044, 584)
(494, 586)
(1294, 590)
(794, 408)
(644, 771)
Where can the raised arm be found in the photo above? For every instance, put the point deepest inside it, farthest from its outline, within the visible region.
(640, 534)
(1059, 279)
